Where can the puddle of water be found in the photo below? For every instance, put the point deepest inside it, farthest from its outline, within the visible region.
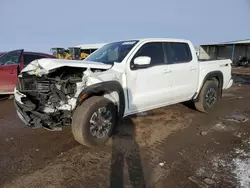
(241, 80)
(238, 118)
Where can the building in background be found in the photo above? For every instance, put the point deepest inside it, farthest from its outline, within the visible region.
(227, 50)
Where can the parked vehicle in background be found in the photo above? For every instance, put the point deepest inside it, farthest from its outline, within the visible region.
(75, 53)
(117, 80)
(242, 62)
(11, 63)
(88, 49)
(60, 53)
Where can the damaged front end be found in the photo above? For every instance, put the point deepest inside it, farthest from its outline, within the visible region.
(48, 100)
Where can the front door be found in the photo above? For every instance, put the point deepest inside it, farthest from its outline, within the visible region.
(9, 65)
(148, 87)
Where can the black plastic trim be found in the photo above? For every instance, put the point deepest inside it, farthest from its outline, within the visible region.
(105, 87)
(214, 74)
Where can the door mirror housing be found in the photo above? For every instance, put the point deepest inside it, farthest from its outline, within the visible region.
(142, 61)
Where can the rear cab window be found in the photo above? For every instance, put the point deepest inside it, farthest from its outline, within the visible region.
(178, 52)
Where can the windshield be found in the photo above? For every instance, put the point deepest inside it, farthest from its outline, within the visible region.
(10, 58)
(113, 52)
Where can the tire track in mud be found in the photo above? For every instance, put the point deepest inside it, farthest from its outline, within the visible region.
(136, 150)
(139, 140)
(74, 169)
(154, 153)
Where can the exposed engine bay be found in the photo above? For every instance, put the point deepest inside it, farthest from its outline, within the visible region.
(48, 100)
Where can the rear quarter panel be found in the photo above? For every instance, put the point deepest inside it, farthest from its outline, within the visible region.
(206, 67)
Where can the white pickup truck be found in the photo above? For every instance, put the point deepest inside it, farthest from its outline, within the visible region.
(117, 80)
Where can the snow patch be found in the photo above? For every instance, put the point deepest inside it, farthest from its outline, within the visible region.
(242, 168)
(220, 127)
(232, 168)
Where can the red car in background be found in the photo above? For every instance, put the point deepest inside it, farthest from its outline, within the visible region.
(11, 63)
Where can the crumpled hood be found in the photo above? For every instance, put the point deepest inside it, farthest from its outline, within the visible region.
(46, 65)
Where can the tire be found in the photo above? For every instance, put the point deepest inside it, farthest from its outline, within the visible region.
(81, 125)
(202, 105)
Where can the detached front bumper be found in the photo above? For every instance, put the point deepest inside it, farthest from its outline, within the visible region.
(18, 103)
(22, 115)
(33, 116)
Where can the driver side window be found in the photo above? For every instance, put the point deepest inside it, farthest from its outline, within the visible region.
(154, 50)
(10, 58)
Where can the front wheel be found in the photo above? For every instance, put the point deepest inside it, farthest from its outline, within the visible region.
(208, 96)
(93, 121)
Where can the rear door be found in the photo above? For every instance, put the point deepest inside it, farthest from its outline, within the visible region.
(183, 68)
(9, 65)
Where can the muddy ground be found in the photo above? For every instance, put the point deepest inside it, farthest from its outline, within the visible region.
(174, 146)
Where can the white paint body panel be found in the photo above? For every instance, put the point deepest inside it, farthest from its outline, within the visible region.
(149, 88)
(44, 66)
(184, 78)
(215, 65)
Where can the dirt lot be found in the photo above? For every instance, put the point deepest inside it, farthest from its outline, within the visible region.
(174, 146)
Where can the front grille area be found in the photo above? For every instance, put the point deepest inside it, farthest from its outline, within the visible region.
(43, 86)
(33, 84)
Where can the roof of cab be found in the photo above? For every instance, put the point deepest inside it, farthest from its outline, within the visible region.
(154, 39)
(99, 45)
(163, 39)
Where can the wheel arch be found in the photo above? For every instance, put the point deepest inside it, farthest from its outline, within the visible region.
(100, 89)
(214, 75)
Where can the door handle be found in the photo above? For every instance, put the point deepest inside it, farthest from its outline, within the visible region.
(167, 71)
(192, 69)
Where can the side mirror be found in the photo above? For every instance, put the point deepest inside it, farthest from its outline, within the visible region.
(142, 61)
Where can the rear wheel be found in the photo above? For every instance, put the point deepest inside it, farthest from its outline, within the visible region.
(208, 96)
(94, 121)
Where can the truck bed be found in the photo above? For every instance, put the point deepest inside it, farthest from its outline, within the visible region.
(223, 66)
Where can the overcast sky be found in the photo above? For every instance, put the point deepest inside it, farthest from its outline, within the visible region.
(39, 25)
